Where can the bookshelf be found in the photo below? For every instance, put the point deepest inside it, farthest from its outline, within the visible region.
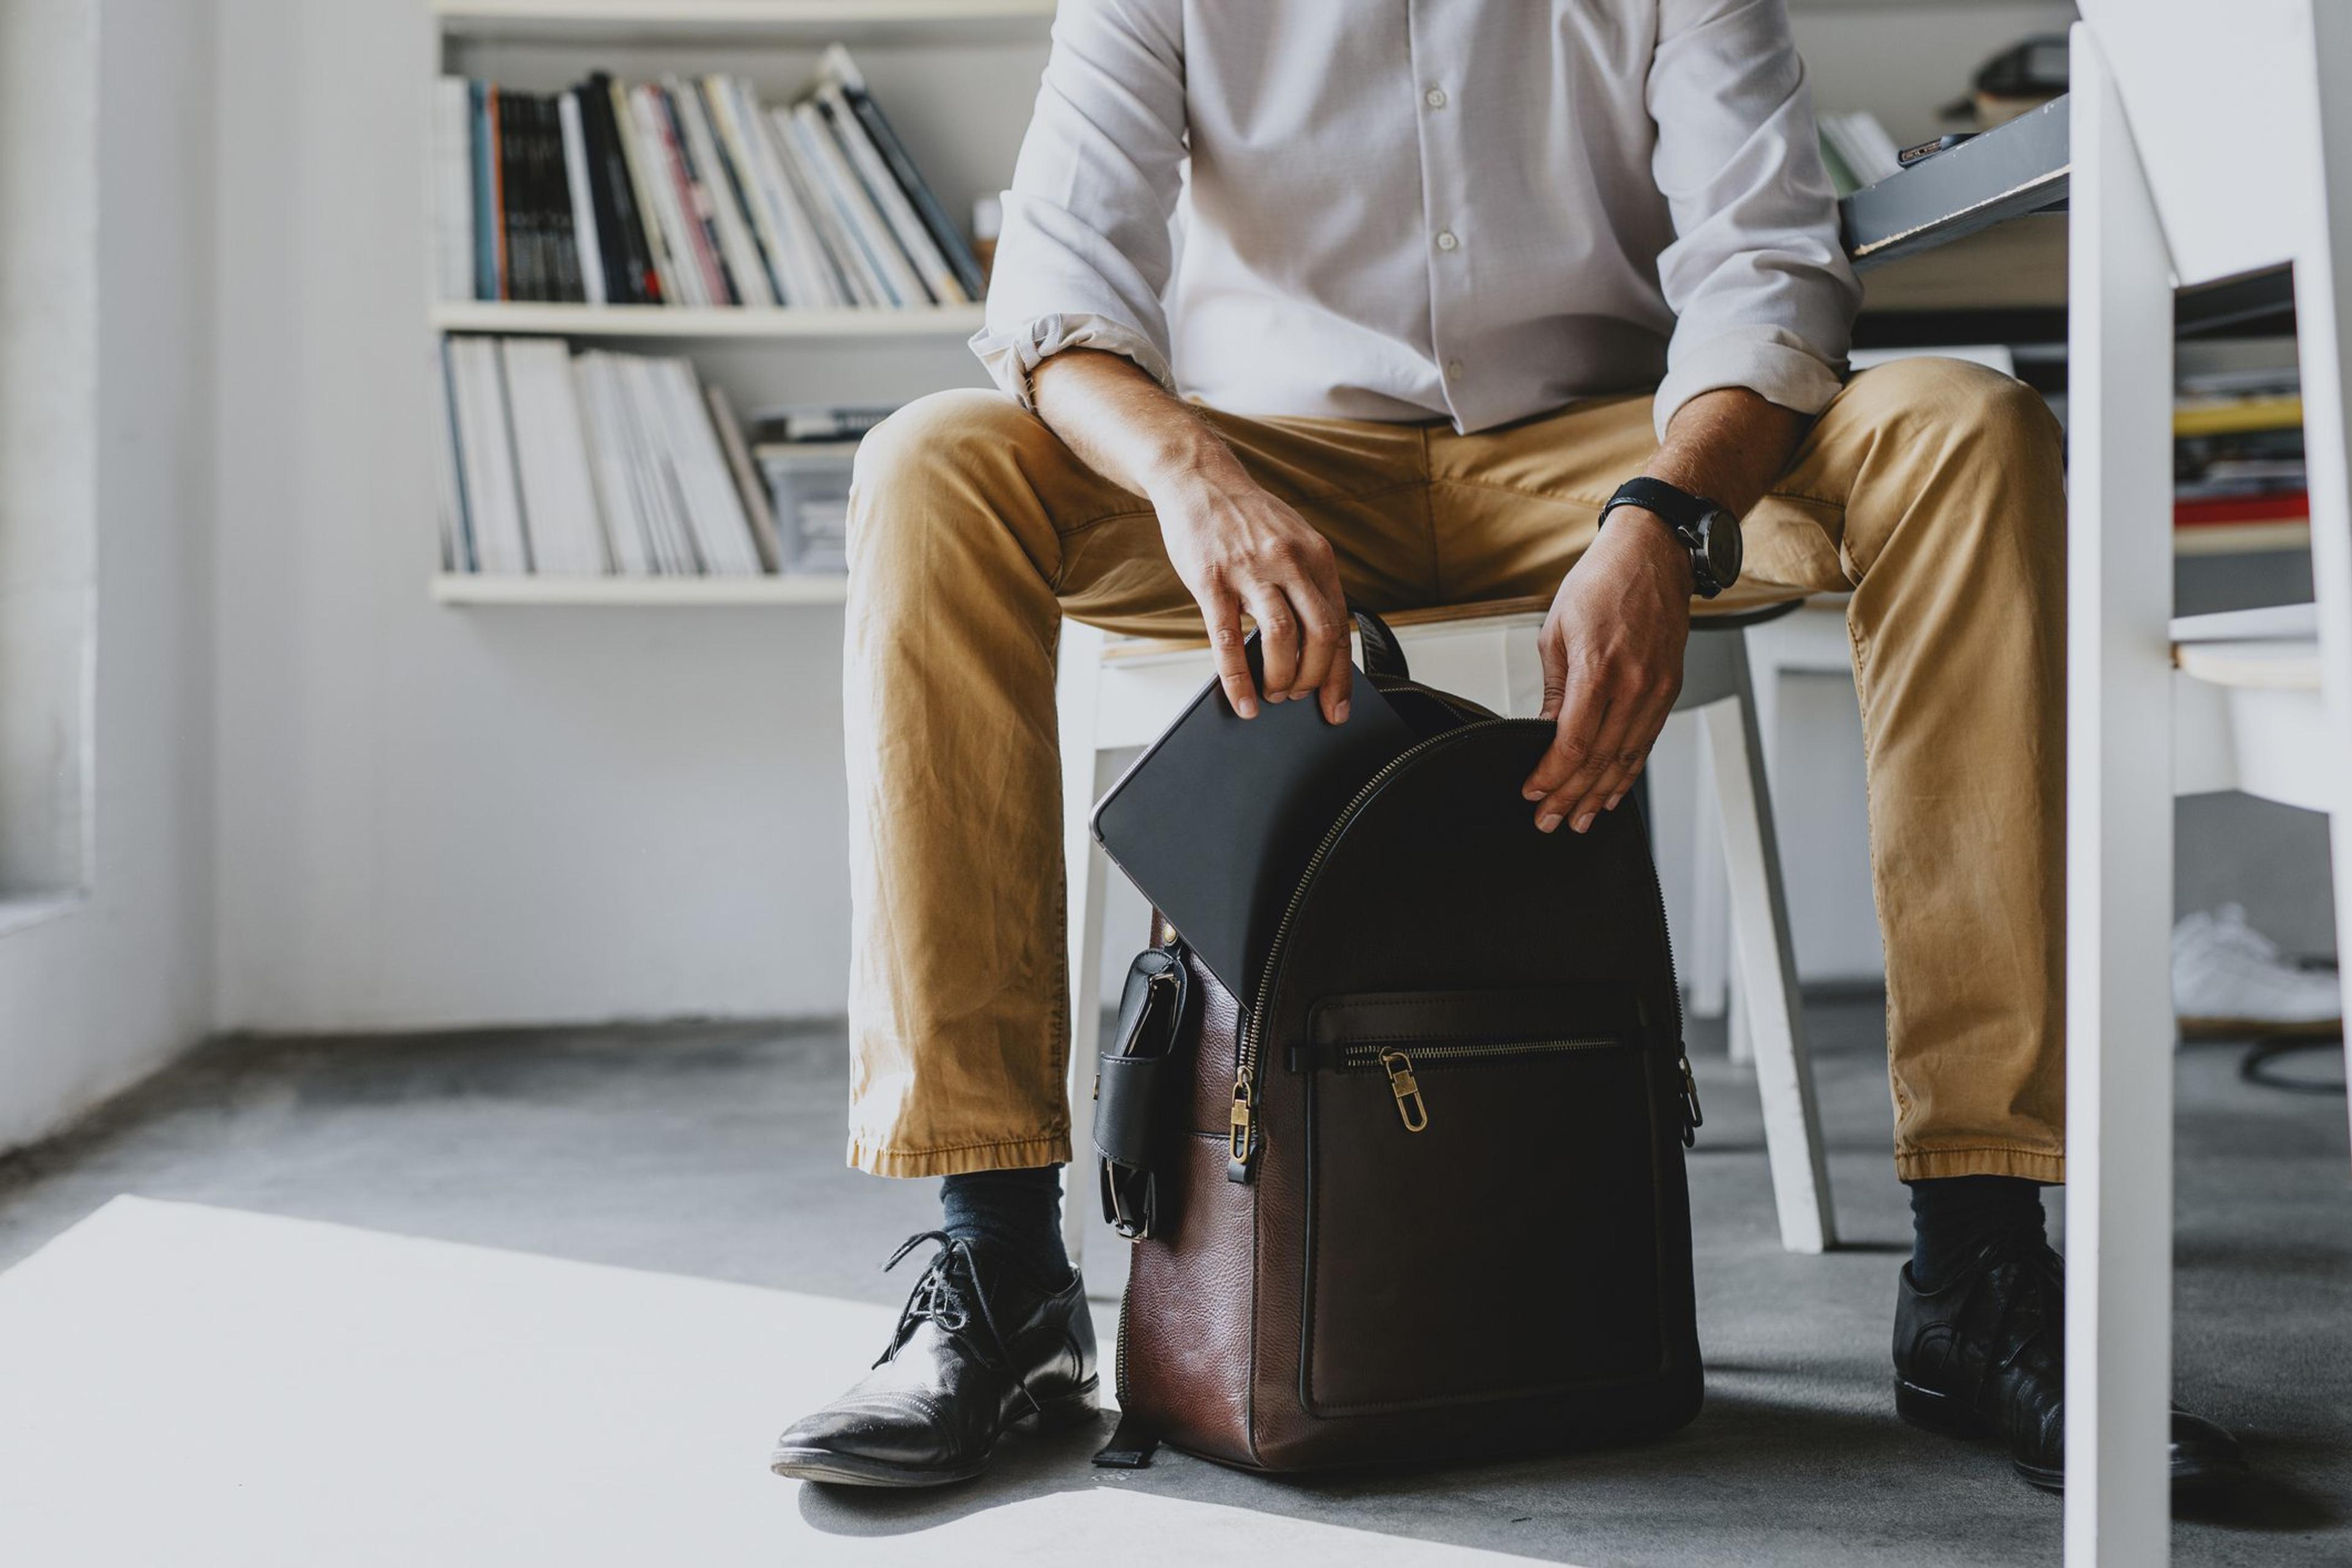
(473, 588)
(956, 76)
(631, 22)
(509, 317)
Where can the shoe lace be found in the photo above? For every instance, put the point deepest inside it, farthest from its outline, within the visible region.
(949, 1295)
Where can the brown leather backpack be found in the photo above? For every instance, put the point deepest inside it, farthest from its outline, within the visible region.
(1423, 1199)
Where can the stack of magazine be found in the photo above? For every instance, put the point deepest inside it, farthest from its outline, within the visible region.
(691, 193)
(594, 464)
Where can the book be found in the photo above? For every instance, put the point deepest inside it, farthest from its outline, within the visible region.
(747, 269)
(456, 531)
(689, 279)
(695, 201)
(783, 229)
(686, 191)
(577, 181)
(628, 529)
(850, 281)
(517, 198)
(559, 496)
(491, 209)
(756, 508)
(842, 70)
(629, 275)
(843, 210)
(629, 137)
(657, 490)
(714, 511)
(486, 456)
(837, 422)
(2226, 415)
(914, 242)
(2277, 506)
(453, 189)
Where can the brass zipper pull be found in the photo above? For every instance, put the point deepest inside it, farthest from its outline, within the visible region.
(1411, 1109)
(1244, 1118)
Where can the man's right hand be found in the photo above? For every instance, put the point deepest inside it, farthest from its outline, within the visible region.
(1238, 548)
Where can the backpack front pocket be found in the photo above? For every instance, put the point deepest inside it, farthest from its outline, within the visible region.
(1468, 1149)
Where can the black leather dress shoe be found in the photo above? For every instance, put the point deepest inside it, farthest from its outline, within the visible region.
(977, 1349)
(1984, 1355)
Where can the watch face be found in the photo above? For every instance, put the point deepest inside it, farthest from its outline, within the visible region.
(1722, 547)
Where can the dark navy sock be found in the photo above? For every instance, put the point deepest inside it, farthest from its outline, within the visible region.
(1952, 1215)
(1015, 1215)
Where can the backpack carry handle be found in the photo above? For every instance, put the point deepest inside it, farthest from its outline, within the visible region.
(1384, 654)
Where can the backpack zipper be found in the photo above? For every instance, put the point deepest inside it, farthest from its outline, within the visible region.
(1242, 1129)
(1242, 1145)
(1412, 1106)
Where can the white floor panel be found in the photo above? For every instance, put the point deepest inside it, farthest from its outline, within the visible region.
(189, 1385)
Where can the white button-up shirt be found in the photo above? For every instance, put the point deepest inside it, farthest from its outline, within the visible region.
(1474, 210)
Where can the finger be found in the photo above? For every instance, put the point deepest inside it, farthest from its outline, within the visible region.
(1323, 648)
(1553, 651)
(1223, 612)
(1314, 593)
(1571, 801)
(1623, 755)
(1278, 626)
(1570, 758)
(1339, 681)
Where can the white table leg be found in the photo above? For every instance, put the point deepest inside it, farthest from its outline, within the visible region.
(2119, 1027)
(1078, 696)
(2323, 320)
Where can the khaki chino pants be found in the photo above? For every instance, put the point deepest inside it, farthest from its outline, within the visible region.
(1930, 488)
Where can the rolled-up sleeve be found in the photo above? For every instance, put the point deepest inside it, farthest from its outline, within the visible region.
(1756, 279)
(1083, 257)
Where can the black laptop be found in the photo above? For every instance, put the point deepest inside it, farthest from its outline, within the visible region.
(1217, 820)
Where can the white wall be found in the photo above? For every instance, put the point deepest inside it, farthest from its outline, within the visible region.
(101, 989)
(430, 816)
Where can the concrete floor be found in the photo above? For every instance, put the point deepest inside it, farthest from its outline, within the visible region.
(713, 1152)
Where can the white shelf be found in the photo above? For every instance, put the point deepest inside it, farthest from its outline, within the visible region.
(2240, 538)
(473, 588)
(813, 22)
(950, 321)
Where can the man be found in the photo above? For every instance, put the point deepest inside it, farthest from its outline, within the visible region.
(1451, 273)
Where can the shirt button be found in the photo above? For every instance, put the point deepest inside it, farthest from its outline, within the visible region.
(1454, 370)
(1445, 240)
(1434, 98)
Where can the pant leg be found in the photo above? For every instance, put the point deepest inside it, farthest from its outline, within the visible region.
(1941, 487)
(1934, 491)
(972, 530)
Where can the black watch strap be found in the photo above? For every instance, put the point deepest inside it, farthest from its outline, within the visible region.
(1678, 507)
(1694, 518)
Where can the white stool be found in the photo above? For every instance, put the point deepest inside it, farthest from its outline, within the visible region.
(1116, 693)
(1811, 641)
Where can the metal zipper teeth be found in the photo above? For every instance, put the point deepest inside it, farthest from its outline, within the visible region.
(1369, 1055)
(1245, 1049)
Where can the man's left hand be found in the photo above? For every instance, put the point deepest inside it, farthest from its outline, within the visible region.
(1612, 666)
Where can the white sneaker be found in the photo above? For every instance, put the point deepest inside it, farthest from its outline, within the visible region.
(2230, 979)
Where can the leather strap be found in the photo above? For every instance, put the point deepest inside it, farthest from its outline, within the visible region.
(1131, 1447)
(1130, 1089)
(1384, 654)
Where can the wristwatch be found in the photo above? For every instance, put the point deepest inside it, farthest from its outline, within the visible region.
(1710, 533)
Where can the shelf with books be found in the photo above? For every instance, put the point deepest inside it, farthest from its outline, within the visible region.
(643, 22)
(482, 589)
(613, 260)
(678, 321)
